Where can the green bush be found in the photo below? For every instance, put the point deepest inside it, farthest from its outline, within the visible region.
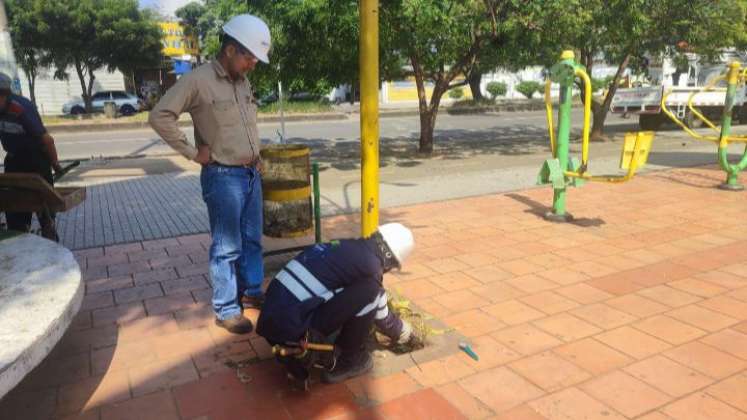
(496, 89)
(456, 93)
(527, 88)
(598, 84)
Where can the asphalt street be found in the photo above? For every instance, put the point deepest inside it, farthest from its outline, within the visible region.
(145, 142)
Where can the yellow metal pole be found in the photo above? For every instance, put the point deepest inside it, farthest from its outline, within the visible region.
(369, 71)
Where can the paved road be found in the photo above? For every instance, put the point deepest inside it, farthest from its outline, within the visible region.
(145, 142)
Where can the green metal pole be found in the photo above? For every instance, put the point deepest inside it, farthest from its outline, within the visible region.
(732, 171)
(317, 206)
(564, 130)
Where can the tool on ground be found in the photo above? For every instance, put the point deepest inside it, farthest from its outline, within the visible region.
(299, 349)
(65, 170)
(563, 171)
(299, 357)
(467, 349)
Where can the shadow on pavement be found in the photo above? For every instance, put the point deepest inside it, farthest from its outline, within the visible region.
(539, 210)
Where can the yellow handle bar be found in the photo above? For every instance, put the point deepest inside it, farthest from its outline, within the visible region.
(696, 136)
(587, 118)
(677, 121)
(548, 108)
(697, 113)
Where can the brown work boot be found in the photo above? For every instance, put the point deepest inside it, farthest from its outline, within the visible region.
(252, 302)
(237, 325)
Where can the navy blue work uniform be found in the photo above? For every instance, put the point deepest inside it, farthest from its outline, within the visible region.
(21, 132)
(328, 287)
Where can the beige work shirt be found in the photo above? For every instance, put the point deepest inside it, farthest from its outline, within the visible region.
(223, 114)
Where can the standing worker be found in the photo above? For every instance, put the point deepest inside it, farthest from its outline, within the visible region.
(219, 98)
(29, 148)
(337, 286)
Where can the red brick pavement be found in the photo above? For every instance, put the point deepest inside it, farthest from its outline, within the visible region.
(636, 310)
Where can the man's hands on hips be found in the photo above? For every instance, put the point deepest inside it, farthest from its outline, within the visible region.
(203, 155)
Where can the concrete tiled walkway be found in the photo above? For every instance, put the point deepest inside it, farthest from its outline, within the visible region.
(142, 208)
(638, 310)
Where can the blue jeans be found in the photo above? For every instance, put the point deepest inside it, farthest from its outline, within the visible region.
(234, 201)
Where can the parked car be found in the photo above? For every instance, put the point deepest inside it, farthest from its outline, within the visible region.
(127, 103)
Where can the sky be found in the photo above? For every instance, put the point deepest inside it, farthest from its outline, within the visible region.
(166, 7)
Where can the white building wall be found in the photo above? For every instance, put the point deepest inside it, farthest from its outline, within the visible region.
(51, 94)
(534, 73)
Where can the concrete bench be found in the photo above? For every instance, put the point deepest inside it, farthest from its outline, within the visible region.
(40, 294)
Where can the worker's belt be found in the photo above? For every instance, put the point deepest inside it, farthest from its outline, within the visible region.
(247, 166)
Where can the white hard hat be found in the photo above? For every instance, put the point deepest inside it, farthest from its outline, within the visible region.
(251, 32)
(399, 239)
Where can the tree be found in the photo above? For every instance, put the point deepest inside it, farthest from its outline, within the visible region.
(88, 35)
(26, 34)
(441, 40)
(189, 17)
(625, 31)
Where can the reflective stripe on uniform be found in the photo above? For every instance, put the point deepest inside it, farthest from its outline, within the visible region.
(293, 285)
(382, 309)
(382, 313)
(373, 305)
(11, 128)
(308, 279)
(299, 281)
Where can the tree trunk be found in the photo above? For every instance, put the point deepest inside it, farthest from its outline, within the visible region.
(427, 124)
(600, 114)
(474, 85)
(31, 76)
(91, 79)
(428, 118)
(83, 89)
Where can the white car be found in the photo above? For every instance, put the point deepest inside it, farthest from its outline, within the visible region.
(127, 103)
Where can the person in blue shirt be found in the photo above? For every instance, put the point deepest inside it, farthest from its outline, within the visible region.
(337, 287)
(28, 147)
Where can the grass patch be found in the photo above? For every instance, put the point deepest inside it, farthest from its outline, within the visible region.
(296, 107)
(472, 103)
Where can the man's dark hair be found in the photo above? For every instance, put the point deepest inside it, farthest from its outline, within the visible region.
(226, 40)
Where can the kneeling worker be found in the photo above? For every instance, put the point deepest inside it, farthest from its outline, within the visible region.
(338, 286)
